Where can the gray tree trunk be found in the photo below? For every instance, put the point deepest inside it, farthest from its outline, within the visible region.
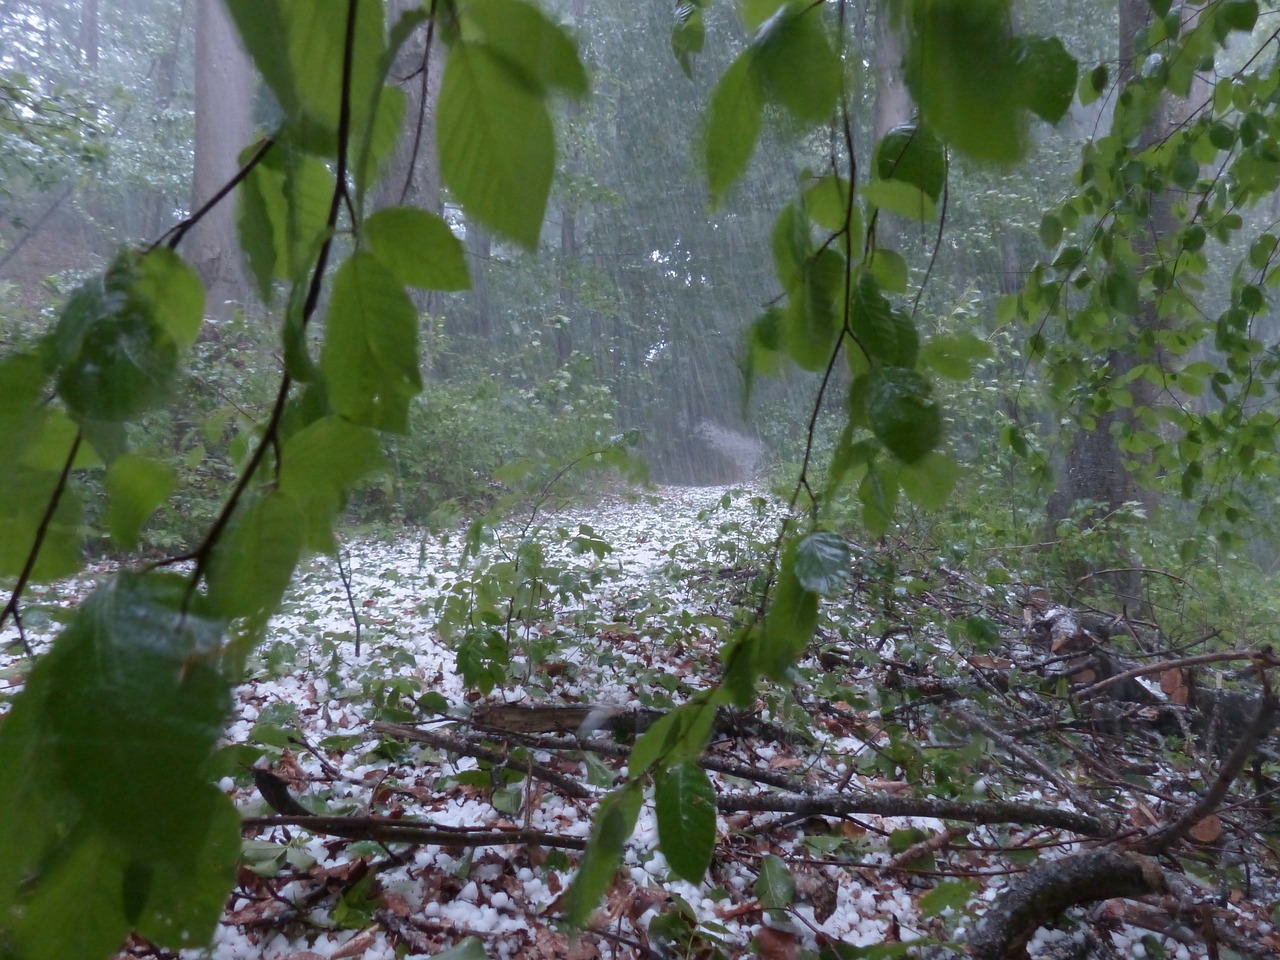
(225, 85)
(1094, 468)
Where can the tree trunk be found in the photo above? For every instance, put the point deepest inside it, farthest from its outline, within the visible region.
(89, 35)
(224, 126)
(893, 99)
(1094, 468)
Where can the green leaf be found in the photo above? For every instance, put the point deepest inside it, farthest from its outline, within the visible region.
(678, 736)
(419, 248)
(911, 153)
(496, 146)
(688, 35)
(116, 358)
(795, 63)
(953, 355)
(890, 269)
(174, 292)
(902, 412)
(1121, 289)
(929, 481)
(948, 895)
(48, 449)
(686, 809)
(811, 326)
(299, 48)
(90, 875)
(959, 65)
(822, 562)
(284, 213)
(370, 352)
(253, 561)
(826, 201)
(540, 51)
(1050, 230)
(1238, 14)
(753, 13)
(886, 334)
(900, 197)
(1047, 75)
(318, 464)
(186, 897)
(775, 888)
(790, 244)
(24, 498)
(878, 494)
(615, 820)
(136, 487)
(133, 685)
(790, 621)
(733, 126)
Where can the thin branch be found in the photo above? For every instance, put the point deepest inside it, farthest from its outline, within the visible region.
(345, 574)
(1264, 658)
(270, 435)
(42, 531)
(173, 236)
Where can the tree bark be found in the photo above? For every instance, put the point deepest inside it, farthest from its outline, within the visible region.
(1094, 469)
(224, 126)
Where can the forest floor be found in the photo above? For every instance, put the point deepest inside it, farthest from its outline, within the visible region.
(905, 786)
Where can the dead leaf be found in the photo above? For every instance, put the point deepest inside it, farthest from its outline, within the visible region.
(357, 945)
(1208, 830)
(777, 944)
(1142, 816)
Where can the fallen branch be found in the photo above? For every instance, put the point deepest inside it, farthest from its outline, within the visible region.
(1162, 839)
(843, 805)
(1046, 890)
(385, 830)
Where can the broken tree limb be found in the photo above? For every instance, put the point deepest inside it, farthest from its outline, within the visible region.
(1171, 833)
(990, 811)
(1046, 890)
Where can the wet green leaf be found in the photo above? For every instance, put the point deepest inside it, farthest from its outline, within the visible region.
(419, 248)
(902, 412)
(686, 811)
(496, 145)
(733, 126)
(795, 64)
(136, 487)
(370, 352)
(912, 154)
(615, 820)
(822, 562)
(775, 888)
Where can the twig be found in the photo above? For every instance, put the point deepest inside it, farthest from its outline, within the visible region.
(173, 236)
(1026, 756)
(444, 741)
(351, 600)
(46, 521)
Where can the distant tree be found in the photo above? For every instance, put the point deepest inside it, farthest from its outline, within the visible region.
(225, 84)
